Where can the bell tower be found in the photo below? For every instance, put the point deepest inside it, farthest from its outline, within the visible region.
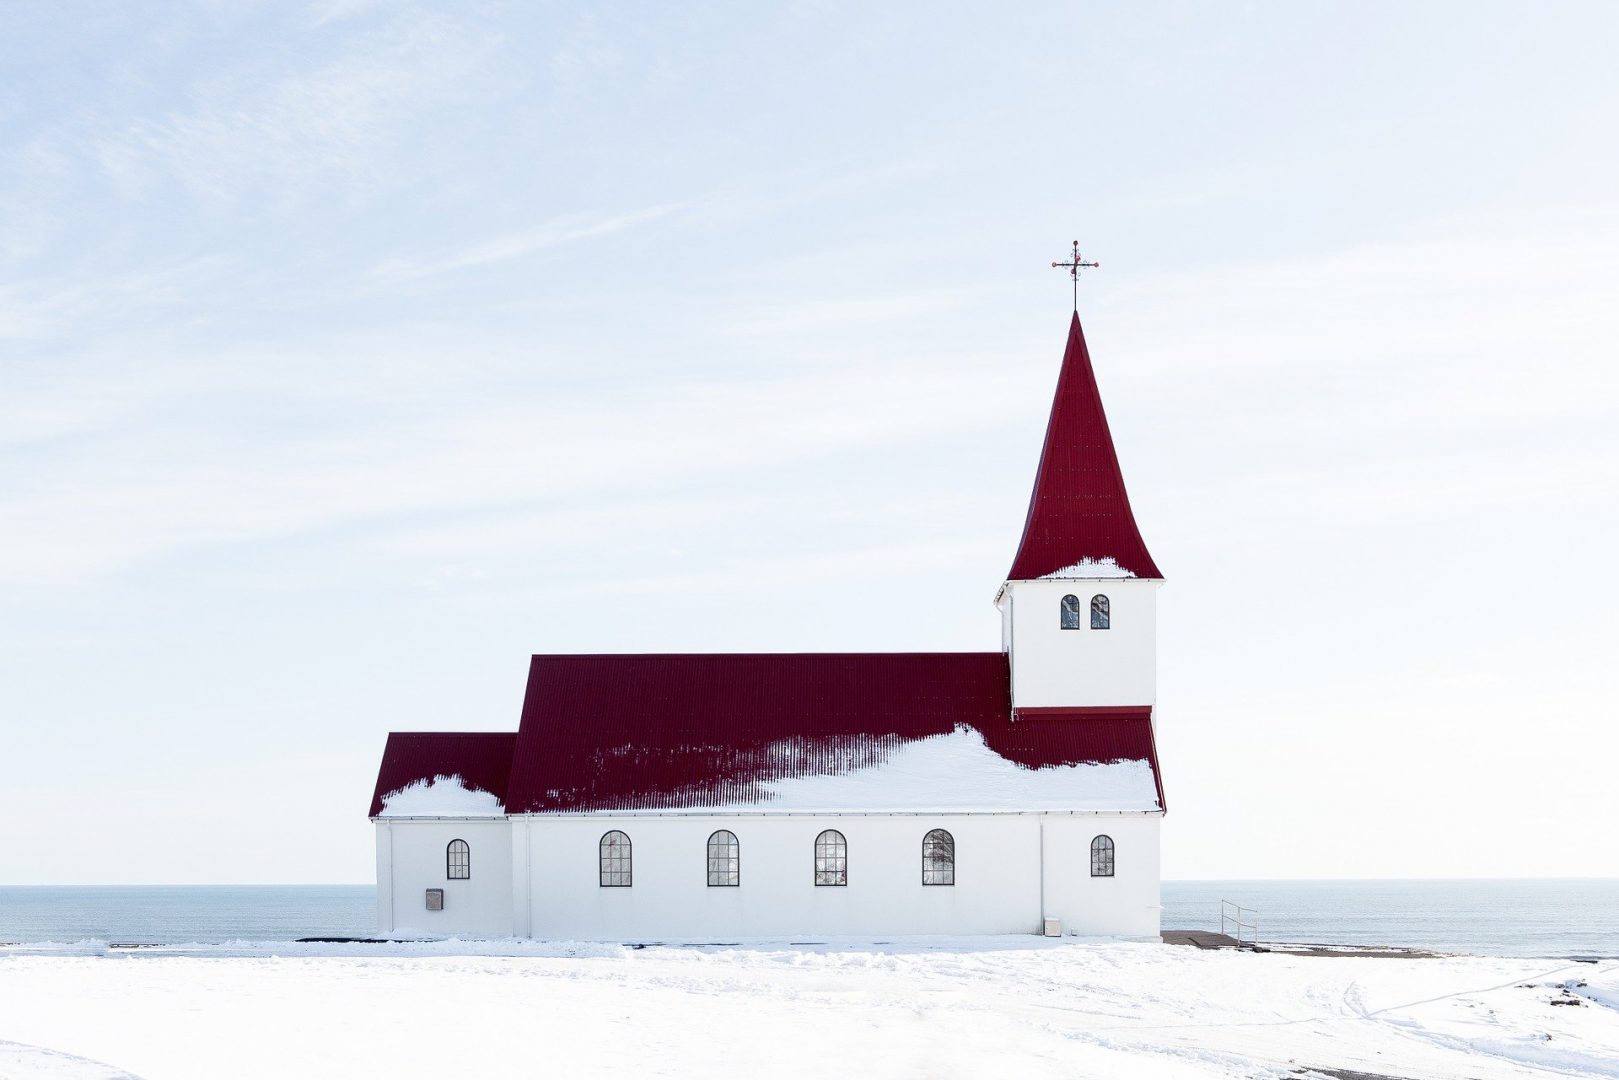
(1078, 609)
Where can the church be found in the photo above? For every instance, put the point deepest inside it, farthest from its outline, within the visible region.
(720, 797)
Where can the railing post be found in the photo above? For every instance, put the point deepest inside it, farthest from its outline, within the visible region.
(1231, 917)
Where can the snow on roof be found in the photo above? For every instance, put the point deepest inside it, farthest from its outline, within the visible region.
(1092, 568)
(959, 772)
(481, 762)
(1079, 511)
(808, 731)
(441, 796)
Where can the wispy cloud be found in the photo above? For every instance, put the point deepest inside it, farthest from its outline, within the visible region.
(516, 441)
(207, 481)
(711, 209)
(324, 125)
(817, 313)
(555, 232)
(802, 568)
(327, 11)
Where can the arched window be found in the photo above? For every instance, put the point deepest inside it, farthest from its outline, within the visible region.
(458, 861)
(724, 859)
(1102, 857)
(1101, 615)
(1070, 612)
(615, 860)
(938, 858)
(831, 859)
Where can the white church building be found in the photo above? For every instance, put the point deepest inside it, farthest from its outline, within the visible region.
(706, 797)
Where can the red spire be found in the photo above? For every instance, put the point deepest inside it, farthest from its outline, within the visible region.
(1079, 511)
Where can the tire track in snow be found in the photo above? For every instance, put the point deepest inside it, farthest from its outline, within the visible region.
(1465, 993)
(1351, 1012)
(23, 1061)
(1414, 1032)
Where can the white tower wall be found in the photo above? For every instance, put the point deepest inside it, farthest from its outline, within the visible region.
(1057, 668)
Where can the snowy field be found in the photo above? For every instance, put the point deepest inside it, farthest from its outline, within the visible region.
(1013, 1007)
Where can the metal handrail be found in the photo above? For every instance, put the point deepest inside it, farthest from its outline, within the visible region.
(1231, 918)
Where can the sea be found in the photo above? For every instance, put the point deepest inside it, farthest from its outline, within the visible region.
(1574, 917)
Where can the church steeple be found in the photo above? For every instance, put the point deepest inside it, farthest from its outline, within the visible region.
(1080, 524)
(1079, 606)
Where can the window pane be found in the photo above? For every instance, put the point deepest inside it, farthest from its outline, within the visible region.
(938, 858)
(1102, 857)
(615, 860)
(723, 859)
(831, 862)
(458, 860)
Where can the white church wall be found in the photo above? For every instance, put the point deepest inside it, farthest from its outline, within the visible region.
(1053, 667)
(1124, 905)
(414, 849)
(999, 886)
(997, 891)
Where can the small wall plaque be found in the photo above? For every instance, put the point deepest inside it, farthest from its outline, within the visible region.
(435, 899)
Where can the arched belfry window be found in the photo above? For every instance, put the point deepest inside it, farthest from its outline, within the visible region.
(831, 859)
(1101, 612)
(458, 861)
(724, 859)
(938, 858)
(1102, 857)
(1070, 612)
(615, 860)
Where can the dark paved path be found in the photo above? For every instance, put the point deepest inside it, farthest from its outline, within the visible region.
(1208, 939)
(1201, 939)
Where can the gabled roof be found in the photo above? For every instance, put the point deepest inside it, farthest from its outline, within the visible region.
(784, 731)
(1079, 513)
(483, 761)
(686, 732)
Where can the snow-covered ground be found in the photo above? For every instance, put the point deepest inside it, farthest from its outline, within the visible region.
(1012, 1007)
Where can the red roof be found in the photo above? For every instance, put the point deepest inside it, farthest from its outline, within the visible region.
(636, 732)
(1079, 509)
(483, 760)
(650, 732)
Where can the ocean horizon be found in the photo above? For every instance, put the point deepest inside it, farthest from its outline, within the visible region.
(1488, 916)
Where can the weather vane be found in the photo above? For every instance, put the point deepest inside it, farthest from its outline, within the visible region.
(1073, 266)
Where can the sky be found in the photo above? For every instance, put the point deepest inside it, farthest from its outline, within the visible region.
(351, 352)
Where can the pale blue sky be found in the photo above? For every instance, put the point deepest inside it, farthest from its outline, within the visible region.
(350, 352)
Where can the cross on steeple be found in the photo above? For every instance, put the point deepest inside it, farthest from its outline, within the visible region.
(1073, 266)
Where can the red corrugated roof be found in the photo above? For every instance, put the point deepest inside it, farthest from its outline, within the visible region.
(635, 732)
(1079, 509)
(483, 760)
